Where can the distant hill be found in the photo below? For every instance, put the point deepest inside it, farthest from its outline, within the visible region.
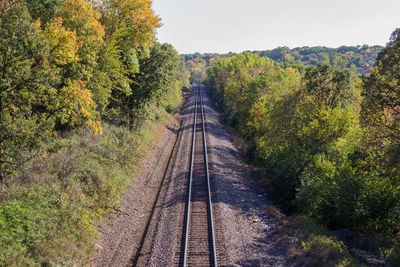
(198, 63)
(359, 58)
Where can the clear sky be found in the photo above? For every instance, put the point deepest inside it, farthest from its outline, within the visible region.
(238, 25)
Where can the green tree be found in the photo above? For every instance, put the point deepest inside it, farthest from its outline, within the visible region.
(380, 107)
(44, 10)
(380, 119)
(329, 85)
(36, 95)
(157, 75)
(26, 88)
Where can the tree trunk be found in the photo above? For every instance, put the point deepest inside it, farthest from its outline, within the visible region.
(131, 121)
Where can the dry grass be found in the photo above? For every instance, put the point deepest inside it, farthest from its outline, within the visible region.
(237, 140)
(314, 244)
(50, 213)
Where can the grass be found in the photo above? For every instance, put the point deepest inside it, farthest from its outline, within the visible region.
(49, 215)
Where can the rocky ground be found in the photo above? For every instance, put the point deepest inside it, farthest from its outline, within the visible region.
(148, 231)
(247, 229)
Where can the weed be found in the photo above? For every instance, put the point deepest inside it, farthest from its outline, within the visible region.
(48, 215)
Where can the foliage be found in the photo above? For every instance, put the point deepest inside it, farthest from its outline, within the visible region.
(49, 215)
(360, 59)
(67, 69)
(382, 93)
(35, 223)
(62, 42)
(318, 245)
(303, 128)
(380, 118)
(67, 63)
(156, 77)
(44, 10)
(26, 88)
(197, 64)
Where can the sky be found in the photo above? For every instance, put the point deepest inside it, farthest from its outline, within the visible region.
(222, 26)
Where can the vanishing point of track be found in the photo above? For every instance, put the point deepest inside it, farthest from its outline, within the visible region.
(199, 238)
(197, 245)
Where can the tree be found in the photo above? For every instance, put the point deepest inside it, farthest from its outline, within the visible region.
(44, 10)
(37, 98)
(381, 104)
(7, 4)
(380, 117)
(26, 88)
(157, 75)
(80, 17)
(63, 43)
(331, 86)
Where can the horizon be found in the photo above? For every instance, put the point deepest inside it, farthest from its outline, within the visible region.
(290, 48)
(230, 26)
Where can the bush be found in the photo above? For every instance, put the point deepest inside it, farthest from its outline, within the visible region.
(318, 246)
(330, 193)
(283, 167)
(37, 227)
(303, 129)
(48, 215)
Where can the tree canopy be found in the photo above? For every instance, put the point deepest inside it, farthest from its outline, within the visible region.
(66, 64)
(326, 140)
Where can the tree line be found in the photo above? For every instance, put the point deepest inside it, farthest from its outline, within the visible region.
(360, 59)
(85, 92)
(68, 64)
(327, 139)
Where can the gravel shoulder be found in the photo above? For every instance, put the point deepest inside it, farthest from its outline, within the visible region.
(247, 230)
(122, 234)
(163, 240)
(244, 231)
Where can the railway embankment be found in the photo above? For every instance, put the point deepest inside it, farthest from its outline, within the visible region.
(150, 230)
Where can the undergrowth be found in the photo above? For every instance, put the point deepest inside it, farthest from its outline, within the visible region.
(309, 243)
(49, 215)
(319, 247)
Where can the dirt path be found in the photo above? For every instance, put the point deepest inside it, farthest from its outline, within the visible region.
(242, 225)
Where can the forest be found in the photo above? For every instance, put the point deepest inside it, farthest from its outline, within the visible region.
(325, 138)
(84, 89)
(360, 59)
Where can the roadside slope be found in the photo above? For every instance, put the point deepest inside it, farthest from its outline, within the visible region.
(121, 235)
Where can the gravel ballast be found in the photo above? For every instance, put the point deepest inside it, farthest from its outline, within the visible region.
(243, 229)
(247, 229)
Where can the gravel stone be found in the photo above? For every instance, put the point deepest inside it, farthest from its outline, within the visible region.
(244, 231)
(247, 229)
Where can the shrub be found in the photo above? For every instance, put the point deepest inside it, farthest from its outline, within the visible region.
(49, 214)
(318, 246)
(38, 228)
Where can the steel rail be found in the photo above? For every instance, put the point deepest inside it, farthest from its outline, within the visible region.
(190, 188)
(209, 204)
(208, 185)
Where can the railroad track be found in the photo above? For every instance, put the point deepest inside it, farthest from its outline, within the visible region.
(196, 238)
(198, 246)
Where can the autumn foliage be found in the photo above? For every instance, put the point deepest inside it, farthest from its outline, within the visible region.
(68, 64)
(326, 141)
(83, 87)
